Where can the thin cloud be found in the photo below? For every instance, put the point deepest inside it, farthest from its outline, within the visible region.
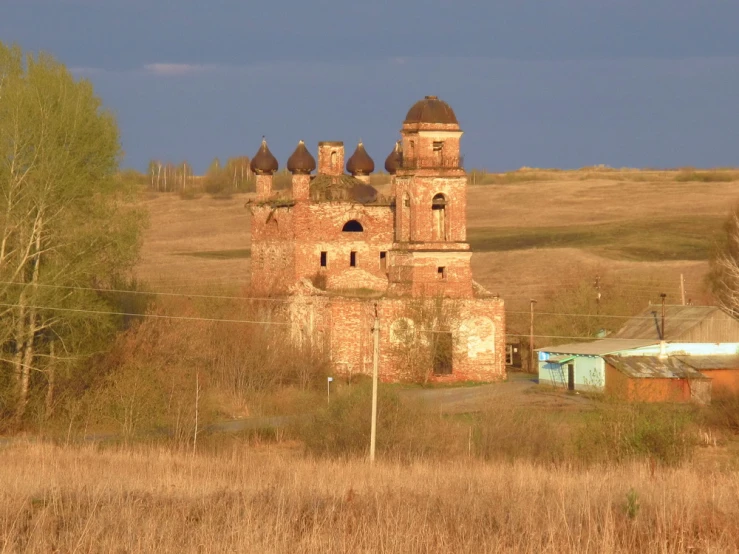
(82, 71)
(176, 69)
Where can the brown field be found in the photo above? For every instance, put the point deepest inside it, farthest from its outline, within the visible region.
(591, 476)
(57, 499)
(532, 231)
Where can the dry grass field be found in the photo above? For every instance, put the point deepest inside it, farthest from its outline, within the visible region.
(532, 231)
(597, 477)
(262, 500)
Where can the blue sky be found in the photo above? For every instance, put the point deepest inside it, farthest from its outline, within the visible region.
(545, 83)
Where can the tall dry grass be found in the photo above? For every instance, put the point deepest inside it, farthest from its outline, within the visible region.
(55, 499)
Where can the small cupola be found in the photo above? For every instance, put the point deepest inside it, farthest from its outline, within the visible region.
(393, 161)
(263, 162)
(301, 161)
(360, 162)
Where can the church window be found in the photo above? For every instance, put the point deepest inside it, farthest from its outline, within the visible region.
(438, 145)
(352, 226)
(441, 272)
(383, 261)
(324, 259)
(353, 259)
(442, 353)
(438, 208)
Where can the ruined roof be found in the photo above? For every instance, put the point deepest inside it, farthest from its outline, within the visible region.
(301, 161)
(392, 162)
(337, 188)
(717, 361)
(263, 161)
(431, 110)
(653, 367)
(678, 321)
(597, 347)
(360, 162)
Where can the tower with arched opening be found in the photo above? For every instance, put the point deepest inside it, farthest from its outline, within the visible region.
(341, 249)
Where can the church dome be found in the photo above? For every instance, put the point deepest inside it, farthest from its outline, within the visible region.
(392, 162)
(301, 161)
(431, 110)
(263, 161)
(360, 162)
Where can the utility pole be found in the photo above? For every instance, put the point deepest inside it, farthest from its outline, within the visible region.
(663, 296)
(531, 336)
(682, 288)
(375, 364)
(597, 295)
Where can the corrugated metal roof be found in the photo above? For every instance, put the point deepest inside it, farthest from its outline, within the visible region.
(598, 347)
(725, 361)
(562, 358)
(653, 367)
(678, 321)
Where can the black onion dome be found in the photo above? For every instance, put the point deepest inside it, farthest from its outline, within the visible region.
(263, 161)
(360, 162)
(301, 160)
(392, 162)
(431, 110)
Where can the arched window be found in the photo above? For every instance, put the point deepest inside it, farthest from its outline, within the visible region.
(438, 208)
(352, 226)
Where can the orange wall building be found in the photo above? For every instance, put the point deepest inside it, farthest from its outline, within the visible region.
(342, 253)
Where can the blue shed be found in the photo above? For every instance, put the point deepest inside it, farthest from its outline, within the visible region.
(580, 366)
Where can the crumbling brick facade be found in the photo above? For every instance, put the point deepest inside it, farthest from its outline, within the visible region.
(344, 254)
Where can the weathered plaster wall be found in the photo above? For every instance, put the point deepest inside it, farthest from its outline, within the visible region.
(272, 250)
(477, 328)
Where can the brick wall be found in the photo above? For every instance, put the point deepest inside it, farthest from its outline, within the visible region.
(477, 327)
(301, 187)
(264, 187)
(331, 158)
(319, 229)
(272, 249)
(418, 221)
(430, 273)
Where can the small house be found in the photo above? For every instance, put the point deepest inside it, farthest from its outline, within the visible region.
(722, 369)
(655, 379)
(643, 370)
(580, 366)
(687, 324)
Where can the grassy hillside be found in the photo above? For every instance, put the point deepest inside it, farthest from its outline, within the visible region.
(531, 230)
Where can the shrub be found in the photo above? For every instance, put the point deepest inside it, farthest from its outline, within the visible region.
(520, 433)
(405, 430)
(622, 432)
(723, 413)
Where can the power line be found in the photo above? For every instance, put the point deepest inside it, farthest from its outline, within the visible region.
(154, 316)
(573, 337)
(608, 316)
(275, 300)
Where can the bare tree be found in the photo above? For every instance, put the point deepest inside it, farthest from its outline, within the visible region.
(723, 276)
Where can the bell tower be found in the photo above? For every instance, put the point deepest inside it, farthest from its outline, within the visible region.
(431, 255)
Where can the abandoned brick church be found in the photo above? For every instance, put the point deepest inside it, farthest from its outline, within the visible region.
(342, 252)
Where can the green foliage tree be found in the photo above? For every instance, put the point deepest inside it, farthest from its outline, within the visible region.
(65, 225)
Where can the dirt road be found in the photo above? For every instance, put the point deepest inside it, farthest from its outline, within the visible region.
(520, 389)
